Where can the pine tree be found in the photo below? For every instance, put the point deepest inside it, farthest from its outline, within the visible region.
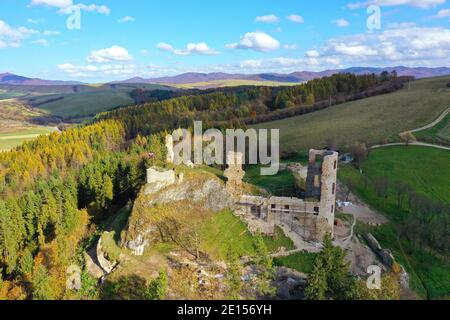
(234, 280)
(157, 288)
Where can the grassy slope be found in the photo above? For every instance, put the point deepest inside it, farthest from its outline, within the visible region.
(224, 230)
(439, 134)
(89, 100)
(86, 103)
(373, 119)
(301, 261)
(426, 171)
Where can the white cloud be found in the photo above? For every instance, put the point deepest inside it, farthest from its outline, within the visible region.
(196, 48)
(13, 37)
(312, 54)
(444, 13)
(65, 6)
(115, 53)
(341, 23)
(105, 70)
(295, 18)
(126, 19)
(102, 9)
(51, 33)
(52, 3)
(414, 46)
(35, 21)
(42, 42)
(192, 48)
(258, 41)
(271, 18)
(424, 4)
(290, 46)
(164, 46)
(267, 64)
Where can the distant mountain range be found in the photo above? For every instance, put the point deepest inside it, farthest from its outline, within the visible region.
(193, 77)
(12, 79)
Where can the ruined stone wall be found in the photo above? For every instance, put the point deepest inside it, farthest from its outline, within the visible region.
(311, 219)
(158, 176)
(328, 187)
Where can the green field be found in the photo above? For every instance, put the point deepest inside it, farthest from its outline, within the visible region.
(439, 134)
(225, 230)
(282, 184)
(427, 172)
(89, 100)
(372, 120)
(77, 100)
(301, 261)
(9, 140)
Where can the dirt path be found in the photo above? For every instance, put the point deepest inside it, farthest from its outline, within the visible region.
(432, 124)
(418, 143)
(422, 144)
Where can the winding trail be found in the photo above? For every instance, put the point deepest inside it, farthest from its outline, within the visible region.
(418, 143)
(435, 122)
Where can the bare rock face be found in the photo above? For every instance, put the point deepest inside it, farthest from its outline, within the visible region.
(202, 191)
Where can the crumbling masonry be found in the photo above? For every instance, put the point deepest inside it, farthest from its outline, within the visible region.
(312, 217)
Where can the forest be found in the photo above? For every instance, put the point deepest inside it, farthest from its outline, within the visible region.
(57, 188)
(235, 107)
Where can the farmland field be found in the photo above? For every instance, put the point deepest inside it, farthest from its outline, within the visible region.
(17, 136)
(372, 120)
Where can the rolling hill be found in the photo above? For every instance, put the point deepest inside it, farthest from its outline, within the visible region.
(12, 79)
(372, 120)
(193, 77)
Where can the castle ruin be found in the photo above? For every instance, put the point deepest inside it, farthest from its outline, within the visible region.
(312, 217)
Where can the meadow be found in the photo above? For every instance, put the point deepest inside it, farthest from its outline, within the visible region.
(439, 134)
(224, 231)
(372, 120)
(426, 171)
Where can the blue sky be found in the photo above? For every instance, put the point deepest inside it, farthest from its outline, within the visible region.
(122, 39)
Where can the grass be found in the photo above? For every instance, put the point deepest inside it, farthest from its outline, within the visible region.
(282, 184)
(225, 230)
(230, 83)
(439, 134)
(426, 171)
(77, 100)
(300, 261)
(17, 136)
(372, 120)
(84, 104)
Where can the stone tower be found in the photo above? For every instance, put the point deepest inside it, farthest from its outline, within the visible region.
(321, 183)
(234, 173)
(169, 146)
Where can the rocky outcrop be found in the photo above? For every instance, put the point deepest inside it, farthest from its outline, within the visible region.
(195, 190)
(385, 255)
(104, 263)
